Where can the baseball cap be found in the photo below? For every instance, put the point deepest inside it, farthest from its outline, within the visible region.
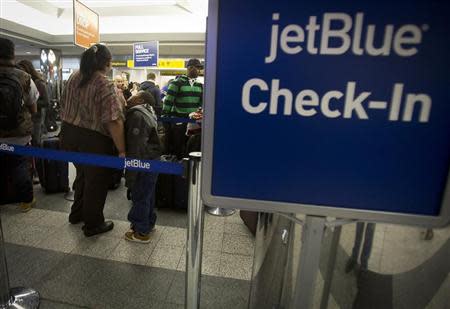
(194, 63)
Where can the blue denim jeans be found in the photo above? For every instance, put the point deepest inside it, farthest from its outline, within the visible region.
(142, 215)
(16, 179)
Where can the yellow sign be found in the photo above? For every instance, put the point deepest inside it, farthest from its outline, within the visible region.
(85, 24)
(171, 63)
(130, 63)
(118, 63)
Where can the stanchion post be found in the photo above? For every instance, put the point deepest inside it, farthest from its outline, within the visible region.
(330, 267)
(308, 268)
(194, 234)
(5, 296)
(25, 298)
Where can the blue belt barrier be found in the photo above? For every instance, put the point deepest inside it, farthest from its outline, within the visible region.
(95, 159)
(176, 120)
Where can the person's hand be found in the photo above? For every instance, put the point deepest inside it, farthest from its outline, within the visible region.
(122, 154)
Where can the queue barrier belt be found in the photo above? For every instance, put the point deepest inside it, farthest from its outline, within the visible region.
(176, 120)
(154, 166)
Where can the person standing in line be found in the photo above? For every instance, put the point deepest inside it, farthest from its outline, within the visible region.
(142, 141)
(184, 96)
(42, 103)
(119, 84)
(92, 122)
(150, 86)
(18, 97)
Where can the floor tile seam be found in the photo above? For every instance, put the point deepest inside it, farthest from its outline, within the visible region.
(108, 218)
(59, 262)
(166, 267)
(169, 289)
(62, 302)
(239, 254)
(183, 253)
(24, 214)
(95, 257)
(147, 260)
(250, 236)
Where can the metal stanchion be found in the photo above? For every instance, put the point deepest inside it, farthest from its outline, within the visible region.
(194, 234)
(16, 297)
(313, 230)
(221, 212)
(330, 267)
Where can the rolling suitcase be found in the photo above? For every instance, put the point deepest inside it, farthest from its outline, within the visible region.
(171, 190)
(53, 175)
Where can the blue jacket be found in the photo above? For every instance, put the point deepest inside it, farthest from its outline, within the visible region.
(154, 90)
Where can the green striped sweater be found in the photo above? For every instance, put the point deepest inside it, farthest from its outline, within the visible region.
(182, 98)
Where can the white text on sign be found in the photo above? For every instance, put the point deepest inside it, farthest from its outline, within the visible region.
(351, 103)
(335, 104)
(402, 41)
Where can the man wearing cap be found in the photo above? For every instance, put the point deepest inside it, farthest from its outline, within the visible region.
(184, 96)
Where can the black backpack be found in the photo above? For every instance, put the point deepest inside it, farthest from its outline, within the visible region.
(11, 101)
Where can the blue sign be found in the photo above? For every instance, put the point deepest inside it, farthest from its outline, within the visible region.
(145, 54)
(335, 108)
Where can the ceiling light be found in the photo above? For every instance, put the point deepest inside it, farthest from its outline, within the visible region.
(28, 52)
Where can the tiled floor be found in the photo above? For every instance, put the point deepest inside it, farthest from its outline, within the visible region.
(45, 252)
(105, 271)
(397, 249)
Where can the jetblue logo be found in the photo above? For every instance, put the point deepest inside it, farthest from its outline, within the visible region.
(137, 163)
(5, 147)
(352, 34)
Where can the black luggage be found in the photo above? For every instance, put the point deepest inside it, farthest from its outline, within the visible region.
(171, 190)
(52, 116)
(53, 175)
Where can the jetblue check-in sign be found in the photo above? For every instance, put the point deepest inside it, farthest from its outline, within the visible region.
(329, 108)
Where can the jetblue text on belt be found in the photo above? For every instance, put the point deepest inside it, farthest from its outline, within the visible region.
(95, 159)
(351, 102)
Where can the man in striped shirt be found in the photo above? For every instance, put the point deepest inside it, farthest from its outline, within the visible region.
(184, 96)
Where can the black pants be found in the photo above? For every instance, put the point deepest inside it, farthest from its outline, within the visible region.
(15, 179)
(92, 182)
(176, 139)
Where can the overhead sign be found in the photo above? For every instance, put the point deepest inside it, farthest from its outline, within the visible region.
(171, 63)
(145, 54)
(334, 109)
(85, 24)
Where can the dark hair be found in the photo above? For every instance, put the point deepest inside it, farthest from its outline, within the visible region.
(147, 97)
(94, 59)
(130, 85)
(151, 75)
(6, 49)
(27, 66)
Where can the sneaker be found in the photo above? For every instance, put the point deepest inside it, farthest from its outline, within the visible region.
(137, 237)
(25, 207)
